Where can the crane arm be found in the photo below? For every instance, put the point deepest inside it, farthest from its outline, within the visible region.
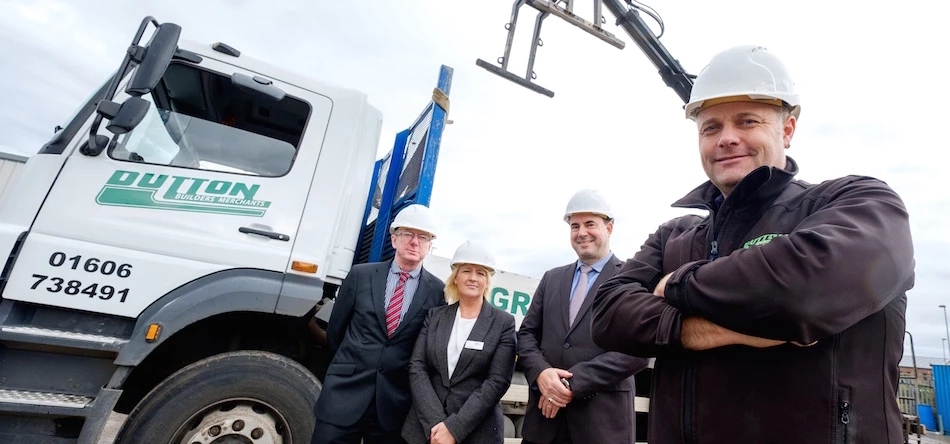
(628, 18)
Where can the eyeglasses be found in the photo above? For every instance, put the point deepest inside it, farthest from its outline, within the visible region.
(407, 236)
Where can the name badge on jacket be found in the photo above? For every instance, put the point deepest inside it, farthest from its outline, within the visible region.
(474, 345)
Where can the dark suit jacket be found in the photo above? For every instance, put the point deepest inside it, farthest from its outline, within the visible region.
(602, 408)
(366, 364)
(468, 404)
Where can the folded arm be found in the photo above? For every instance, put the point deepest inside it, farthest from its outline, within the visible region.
(631, 316)
(841, 264)
(603, 372)
(627, 316)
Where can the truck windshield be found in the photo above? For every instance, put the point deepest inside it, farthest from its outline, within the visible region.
(200, 120)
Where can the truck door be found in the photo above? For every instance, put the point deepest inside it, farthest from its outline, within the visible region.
(214, 178)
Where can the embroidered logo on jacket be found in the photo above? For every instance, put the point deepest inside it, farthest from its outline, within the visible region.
(762, 240)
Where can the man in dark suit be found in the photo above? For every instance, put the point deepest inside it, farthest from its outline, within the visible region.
(579, 393)
(373, 327)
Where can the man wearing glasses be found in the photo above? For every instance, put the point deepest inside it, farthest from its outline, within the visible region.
(376, 318)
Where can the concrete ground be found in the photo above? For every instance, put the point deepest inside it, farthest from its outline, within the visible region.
(930, 438)
(115, 422)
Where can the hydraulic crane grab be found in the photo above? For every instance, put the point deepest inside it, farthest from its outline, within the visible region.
(628, 17)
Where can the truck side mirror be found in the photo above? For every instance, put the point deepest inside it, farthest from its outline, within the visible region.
(153, 59)
(123, 118)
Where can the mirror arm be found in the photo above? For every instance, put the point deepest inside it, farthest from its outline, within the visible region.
(136, 53)
(95, 146)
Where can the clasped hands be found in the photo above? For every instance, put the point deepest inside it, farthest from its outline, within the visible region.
(554, 395)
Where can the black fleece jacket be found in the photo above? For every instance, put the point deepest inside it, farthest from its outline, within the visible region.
(781, 259)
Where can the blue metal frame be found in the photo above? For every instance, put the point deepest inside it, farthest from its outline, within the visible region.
(434, 142)
(385, 209)
(369, 203)
(423, 193)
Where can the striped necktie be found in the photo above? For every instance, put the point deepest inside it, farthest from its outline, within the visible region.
(395, 305)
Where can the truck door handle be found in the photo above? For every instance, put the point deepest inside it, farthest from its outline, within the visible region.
(270, 234)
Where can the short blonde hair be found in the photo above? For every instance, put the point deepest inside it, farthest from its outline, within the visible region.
(452, 290)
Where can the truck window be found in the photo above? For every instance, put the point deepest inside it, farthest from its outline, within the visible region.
(200, 120)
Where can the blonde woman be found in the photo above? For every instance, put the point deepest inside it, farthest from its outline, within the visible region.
(463, 359)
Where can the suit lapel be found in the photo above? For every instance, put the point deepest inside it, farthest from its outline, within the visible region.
(379, 292)
(609, 270)
(443, 331)
(418, 299)
(564, 295)
(479, 331)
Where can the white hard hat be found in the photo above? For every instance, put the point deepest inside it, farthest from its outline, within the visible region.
(417, 217)
(743, 73)
(588, 201)
(474, 252)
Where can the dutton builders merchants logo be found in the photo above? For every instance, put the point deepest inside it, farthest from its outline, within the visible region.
(180, 193)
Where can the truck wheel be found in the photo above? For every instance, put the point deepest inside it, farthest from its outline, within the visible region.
(245, 397)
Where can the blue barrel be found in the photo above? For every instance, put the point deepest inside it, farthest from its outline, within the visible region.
(927, 418)
(942, 393)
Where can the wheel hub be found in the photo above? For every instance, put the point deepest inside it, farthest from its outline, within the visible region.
(243, 424)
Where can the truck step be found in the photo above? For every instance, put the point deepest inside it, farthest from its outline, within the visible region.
(26, 334)
(516, 393)
(30, 416)
(641, 404)
(44, 399)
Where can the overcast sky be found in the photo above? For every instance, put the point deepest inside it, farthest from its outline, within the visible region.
(871, 80)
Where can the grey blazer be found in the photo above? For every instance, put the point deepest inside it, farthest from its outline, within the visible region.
(367, 365)
(468, 403)
(602, 409)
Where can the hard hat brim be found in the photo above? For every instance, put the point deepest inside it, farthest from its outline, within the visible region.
(567, 216)
(694, 107)
(392, 229)
(491, 270)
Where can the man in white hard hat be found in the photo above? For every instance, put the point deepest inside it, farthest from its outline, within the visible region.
(376, 318)
(779, 317)
(580, 393)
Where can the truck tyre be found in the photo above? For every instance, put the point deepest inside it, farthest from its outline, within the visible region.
(245, 397)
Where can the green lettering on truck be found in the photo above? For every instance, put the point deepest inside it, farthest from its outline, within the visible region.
(182, 193)
(520, 303)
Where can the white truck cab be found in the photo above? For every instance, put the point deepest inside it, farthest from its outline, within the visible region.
(214, 177)
(168, 247)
